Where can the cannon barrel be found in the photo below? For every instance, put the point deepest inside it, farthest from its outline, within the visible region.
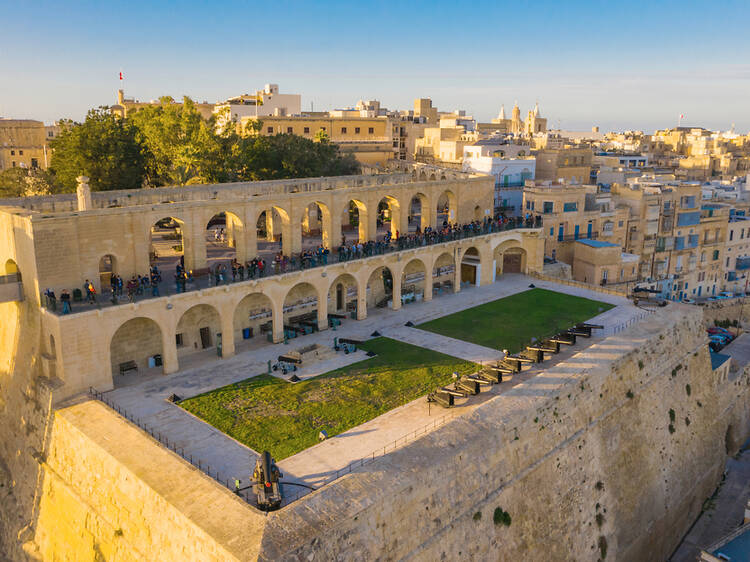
(587, 325)
(468, 385)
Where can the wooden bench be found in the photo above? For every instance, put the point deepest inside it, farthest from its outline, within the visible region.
(128, 366)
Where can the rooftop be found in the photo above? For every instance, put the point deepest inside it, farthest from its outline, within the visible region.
(598, 243)
(717, 360)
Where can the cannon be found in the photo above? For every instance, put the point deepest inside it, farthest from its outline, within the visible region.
(591, 326)
(493, 376)
(455, 391)
(582, 331)
(478, 379)
(535, 353)
(445, 399)
(564, 338)
(467, 385)
(516, 361)
(266, 482)
(552, 346)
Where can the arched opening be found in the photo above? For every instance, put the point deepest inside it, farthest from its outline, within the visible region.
(477, 213)
(354, 222)
(380, 288)
(198, 330)
(443, 275)
(342, 299)
(223, 232)
(419, 213)
(107, 268)
(446, 208)
(509, 258)
(471, 267)
(253, 321)
(135, 350)
(300, 311)
(274, 234)
(11, 268)
(167, 244)
(389, 216)
(422, 176)
(316, 226)
(413, 281)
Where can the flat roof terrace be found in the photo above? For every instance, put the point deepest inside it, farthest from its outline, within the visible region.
(322, 463)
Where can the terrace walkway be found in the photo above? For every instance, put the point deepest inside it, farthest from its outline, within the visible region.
(145, 399)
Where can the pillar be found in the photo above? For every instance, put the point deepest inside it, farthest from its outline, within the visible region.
(269, 226)
(170, 364)
(397, 290)
(278, 323)
(372, 224)
(322, 313)
(361, 303)
(227, 333)
(296, 241)
(427, 286)
(336, 229)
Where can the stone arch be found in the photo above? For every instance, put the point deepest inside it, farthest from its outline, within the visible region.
(354, 221)
(300, 310)
(446, 207)
(274, 228)
(253, 318)
(108, 266)
(443, 274)
(138, 340)
(197, 329)
(422, 176)
(316, 224)
(389, 214)
(509, 257)
(432, 177)
(471, 266)
(419, 212)
(225, 239)
(379, 287)
(413, 281)
(342, 294)
(477, 213)
(167, 243)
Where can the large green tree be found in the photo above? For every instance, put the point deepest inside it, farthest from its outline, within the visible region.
(183, 146)
(104, 147)
(24, 182)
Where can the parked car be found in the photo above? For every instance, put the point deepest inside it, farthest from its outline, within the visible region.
(720, 339)
(720, 330)
(688, 301)
(726, 295)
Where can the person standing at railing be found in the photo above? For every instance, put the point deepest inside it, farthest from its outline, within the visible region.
(49, 295)
(65, 299)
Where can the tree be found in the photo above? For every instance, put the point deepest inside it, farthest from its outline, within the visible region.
(104, 147)
(183, 146)
(24, 182)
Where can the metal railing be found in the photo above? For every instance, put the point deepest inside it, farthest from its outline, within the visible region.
(298, 262)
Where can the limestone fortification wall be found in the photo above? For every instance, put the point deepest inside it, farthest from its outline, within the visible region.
(582, 457)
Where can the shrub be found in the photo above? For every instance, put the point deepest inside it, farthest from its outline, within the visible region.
(671, 415)
(671, 428)
(501, 517)
(599, 519)
(477, 516)
(640, 364)
(599, 485)
(603, 547)
(688, 389)
(687, 421)
(629, 394)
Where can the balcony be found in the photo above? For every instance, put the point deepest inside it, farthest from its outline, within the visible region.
(574, 237)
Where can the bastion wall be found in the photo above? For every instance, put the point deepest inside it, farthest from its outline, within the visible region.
(609, 454)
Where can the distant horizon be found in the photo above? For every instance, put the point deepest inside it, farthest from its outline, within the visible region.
(619, 67)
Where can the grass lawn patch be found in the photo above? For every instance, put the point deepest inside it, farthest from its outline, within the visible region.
(269, 414)
(510, 323)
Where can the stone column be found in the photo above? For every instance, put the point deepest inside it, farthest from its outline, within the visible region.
(361, 303)
(322, 313)
(170, 364)
(296, 242)
(278, 322)
(428, 286)
(397, 290)
(227, 333)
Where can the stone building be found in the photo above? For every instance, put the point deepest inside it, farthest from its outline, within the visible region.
(24, 143)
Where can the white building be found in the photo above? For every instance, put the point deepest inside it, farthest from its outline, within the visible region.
(262, 103)
(511, 164)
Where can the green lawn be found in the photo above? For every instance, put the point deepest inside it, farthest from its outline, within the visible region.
(266, 413)
(511, 322)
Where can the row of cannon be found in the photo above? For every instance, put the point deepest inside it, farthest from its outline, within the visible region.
(470, 385)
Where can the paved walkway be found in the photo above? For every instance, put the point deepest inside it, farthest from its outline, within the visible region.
(146, 400)
(444, 344)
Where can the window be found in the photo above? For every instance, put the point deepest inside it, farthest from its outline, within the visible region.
(568, 207)
(307, 130)
(356, 130)
(371, 130)
(679, 243)
(731, 235)
(269, 130)
(667, 205)
(14, 163)
(716, 255)
(548, 206)
(742, 234)
(12, 152)
(179, 340)
(34, 163)
(20, 152)
(551, 230)
(290, 130)
(343, 130)
(620, 223)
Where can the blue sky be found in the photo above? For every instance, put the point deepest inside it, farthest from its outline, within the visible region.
(618, 65)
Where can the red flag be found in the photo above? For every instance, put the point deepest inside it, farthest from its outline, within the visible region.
(121, 75)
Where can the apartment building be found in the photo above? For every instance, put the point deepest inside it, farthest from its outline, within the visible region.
(565, 163)
(25, 143)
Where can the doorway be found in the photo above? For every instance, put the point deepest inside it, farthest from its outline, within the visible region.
(205, 337)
